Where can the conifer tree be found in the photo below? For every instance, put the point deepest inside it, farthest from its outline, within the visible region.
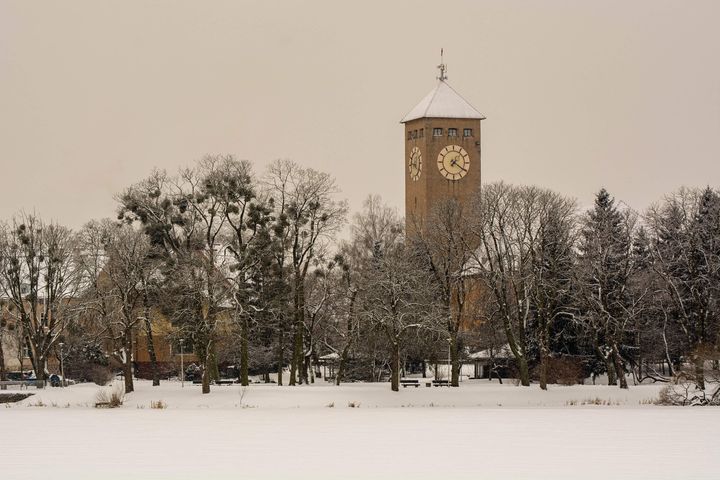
(604, 282)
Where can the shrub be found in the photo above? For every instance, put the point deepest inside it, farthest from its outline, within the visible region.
(686, 393)
(159, 405)
(99, 374)
(110, 398)
(86, 361)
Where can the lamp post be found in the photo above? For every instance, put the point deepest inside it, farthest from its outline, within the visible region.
(182, 364)
(62, 365)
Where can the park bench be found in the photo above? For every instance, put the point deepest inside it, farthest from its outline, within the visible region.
(413, 382)
(441, 383)
(21, 383)
(224, 381)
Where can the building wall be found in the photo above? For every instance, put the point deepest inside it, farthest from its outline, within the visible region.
(10, 344)
(422, 195)
(168, 358)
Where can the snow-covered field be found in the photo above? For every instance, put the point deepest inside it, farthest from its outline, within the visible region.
(481, 431)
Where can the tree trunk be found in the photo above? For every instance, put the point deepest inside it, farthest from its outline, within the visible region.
(455, 361)
(618, 364)
(40, 376)
(611, 373)
(543, 368)
(296, 362)
(699, 362)
(544, 354)
(343, 361)
(150, 339)
(39, 364)
(151, 350)
(519, 352)
(301, 331)
(395, 368)
(3, 373)
(244, 361)
(206, 379)
(206, 363)
(305, 360)
(281, 355)
(524, 371)
(127, 364)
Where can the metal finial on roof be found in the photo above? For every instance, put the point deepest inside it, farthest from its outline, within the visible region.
(442, 67)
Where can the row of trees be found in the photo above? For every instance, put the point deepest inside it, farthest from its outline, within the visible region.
(627, 292)
(249, 270)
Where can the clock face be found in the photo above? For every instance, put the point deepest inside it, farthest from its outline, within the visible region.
(453, 162)
(415, 164)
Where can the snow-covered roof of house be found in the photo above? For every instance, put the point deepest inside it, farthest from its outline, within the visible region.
(330, 356)
(443, 102)
(497, 352)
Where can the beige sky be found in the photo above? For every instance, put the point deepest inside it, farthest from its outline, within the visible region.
(577, 95)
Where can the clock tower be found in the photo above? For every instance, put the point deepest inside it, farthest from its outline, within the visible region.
(442, 152)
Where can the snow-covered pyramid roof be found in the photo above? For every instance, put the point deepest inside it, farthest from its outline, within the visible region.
(443, 102)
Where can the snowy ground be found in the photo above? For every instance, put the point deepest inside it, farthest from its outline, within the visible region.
(481, 431)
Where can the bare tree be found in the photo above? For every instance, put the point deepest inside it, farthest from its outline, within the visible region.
(685, 248)
(182, 217)
(553, 263)
(115, 258)
(249, 242)
(3, 337)
(309, 215)
(445, 247)
(397, 298)
(40, 280)
(376, 225)
(508, 225)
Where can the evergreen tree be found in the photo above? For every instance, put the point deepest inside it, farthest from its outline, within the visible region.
(604, 281)
(553, 266)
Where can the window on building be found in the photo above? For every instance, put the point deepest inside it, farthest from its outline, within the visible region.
(467, 132)
(414, 134)
(409, 134)
(452, 132)
(421, 132)
(437, 132)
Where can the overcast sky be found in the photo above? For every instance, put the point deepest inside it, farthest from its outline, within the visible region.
(577, 95)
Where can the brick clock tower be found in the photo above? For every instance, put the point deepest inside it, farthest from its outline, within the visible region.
(442, 152)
